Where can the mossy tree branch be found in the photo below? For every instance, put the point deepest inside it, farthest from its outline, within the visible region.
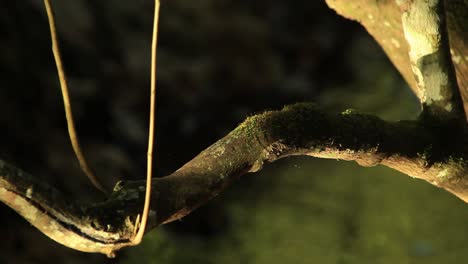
(412, 147)
(434, 151)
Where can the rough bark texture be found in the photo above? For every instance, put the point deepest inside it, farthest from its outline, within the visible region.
(302, 129)
(383, 20)
(434, 150)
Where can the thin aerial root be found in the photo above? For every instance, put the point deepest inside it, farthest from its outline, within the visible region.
(144, 216)
(66, 101)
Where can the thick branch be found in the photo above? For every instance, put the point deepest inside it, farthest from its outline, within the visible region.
(426, 33)
(383, 20)
(407, 146)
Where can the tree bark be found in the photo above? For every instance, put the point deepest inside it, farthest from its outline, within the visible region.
(411, 147)
(432, 149)
(383, 20)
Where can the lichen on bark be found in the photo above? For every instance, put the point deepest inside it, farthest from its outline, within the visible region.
(301, 129)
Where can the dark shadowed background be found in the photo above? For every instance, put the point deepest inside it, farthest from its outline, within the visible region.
(219, 62)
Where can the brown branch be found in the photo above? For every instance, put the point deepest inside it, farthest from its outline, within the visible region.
(412, 147)
(383, 20)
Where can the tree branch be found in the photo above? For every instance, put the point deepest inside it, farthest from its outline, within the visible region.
(412, 147)
(383, 20)
(425, 31)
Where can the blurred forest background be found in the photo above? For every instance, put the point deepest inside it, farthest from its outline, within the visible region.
(219, 62)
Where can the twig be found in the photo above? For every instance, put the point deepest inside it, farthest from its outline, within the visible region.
(66, 101)
(144, 216)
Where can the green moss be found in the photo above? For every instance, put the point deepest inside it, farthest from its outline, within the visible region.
(349, 111)
(425, 156)
(305, 211)
(251, 125)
